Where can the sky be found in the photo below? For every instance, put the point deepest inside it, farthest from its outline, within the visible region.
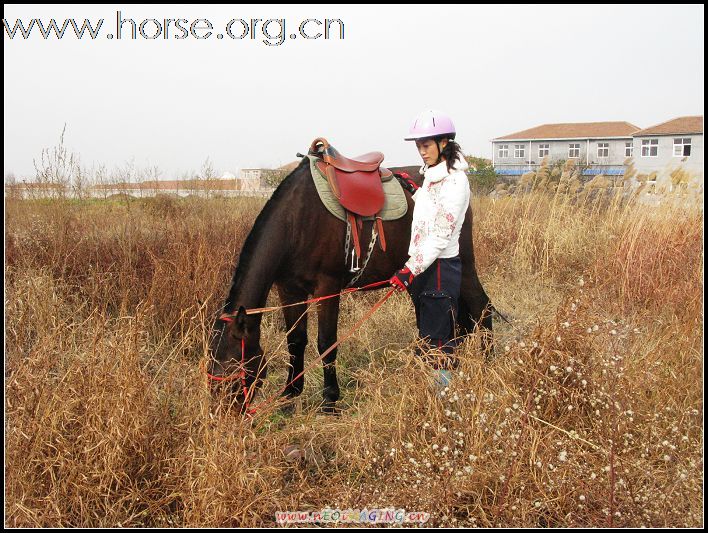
(255, 100)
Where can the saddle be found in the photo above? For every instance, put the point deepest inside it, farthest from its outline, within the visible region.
(356, 183)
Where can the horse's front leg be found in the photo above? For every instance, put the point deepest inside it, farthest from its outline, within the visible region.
(328, 315)
(296, 325)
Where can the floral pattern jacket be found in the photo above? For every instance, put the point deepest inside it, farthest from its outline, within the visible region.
(440, 207)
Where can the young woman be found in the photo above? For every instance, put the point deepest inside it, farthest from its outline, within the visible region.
(433, 272)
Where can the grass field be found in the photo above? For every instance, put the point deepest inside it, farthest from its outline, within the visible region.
(590, 415)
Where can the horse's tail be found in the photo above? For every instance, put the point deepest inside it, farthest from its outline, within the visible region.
(496, 311)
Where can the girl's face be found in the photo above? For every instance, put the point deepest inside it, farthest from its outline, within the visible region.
(428, 150)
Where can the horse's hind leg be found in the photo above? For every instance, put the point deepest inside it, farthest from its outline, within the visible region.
(296, 324)
(475, 310)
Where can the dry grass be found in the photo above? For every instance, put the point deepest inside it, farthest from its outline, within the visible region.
(591, 415)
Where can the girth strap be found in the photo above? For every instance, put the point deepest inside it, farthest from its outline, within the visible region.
(382, 238)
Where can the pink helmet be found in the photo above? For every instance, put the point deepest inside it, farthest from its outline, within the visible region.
(431, 123)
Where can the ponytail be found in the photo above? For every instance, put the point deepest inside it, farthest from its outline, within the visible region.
(452, 153)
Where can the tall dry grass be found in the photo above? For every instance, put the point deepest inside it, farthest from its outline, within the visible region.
(591, 414)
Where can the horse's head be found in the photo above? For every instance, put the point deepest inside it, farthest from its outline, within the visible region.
(236, 363)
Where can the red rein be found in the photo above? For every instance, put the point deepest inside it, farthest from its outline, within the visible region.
(242, 373)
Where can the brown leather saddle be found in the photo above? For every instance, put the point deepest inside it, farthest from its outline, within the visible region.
(356, 183)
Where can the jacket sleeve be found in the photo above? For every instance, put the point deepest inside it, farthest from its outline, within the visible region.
(428, 243)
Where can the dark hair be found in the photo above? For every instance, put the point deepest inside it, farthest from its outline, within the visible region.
(452, 152)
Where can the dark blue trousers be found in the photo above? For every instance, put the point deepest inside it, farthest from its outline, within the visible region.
(435, 293)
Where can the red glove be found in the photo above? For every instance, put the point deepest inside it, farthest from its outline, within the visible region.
(402, 279)
(407, 182)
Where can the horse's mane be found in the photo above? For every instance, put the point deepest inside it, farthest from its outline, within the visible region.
(254, 237)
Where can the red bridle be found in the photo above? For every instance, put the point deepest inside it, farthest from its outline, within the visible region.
(240, 375)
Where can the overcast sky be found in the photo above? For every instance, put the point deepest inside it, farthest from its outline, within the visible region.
(242, 103)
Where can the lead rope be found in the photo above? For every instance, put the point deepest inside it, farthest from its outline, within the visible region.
(241, 374)
(252, 411)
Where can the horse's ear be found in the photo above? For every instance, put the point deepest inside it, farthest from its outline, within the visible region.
(240, 319)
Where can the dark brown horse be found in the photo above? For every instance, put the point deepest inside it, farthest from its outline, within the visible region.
(298, 246)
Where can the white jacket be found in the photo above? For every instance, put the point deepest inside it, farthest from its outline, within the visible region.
(440, 207)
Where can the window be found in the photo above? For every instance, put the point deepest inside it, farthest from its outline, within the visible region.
(543, 150)
(682, 147)
(603, 149)
(503, 150)
(519, 150)
(574, 150)
(650, 147)
(628, 149)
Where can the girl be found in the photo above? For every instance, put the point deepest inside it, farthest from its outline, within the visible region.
(433, 272)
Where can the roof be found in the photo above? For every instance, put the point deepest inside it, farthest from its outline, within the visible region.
(680, 125)
(35, 185)
(576, 130)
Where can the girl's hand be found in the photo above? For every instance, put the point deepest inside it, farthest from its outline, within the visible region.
(402, 279)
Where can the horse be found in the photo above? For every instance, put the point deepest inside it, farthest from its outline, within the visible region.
(297, 246)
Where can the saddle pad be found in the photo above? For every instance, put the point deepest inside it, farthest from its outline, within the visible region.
(395, 205)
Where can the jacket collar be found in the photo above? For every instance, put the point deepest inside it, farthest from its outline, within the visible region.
(439, 171)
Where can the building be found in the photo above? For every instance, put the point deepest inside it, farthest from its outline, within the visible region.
(194, 187)
(29, 190)
(661, 149)
(603, 147)
(252, 178)
(271, 178)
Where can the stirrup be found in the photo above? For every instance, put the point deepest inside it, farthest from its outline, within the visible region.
(354, 268)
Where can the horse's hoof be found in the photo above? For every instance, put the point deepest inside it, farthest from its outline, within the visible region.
(288, 409)
(490, 357)
(330, 408)
(293, 453)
